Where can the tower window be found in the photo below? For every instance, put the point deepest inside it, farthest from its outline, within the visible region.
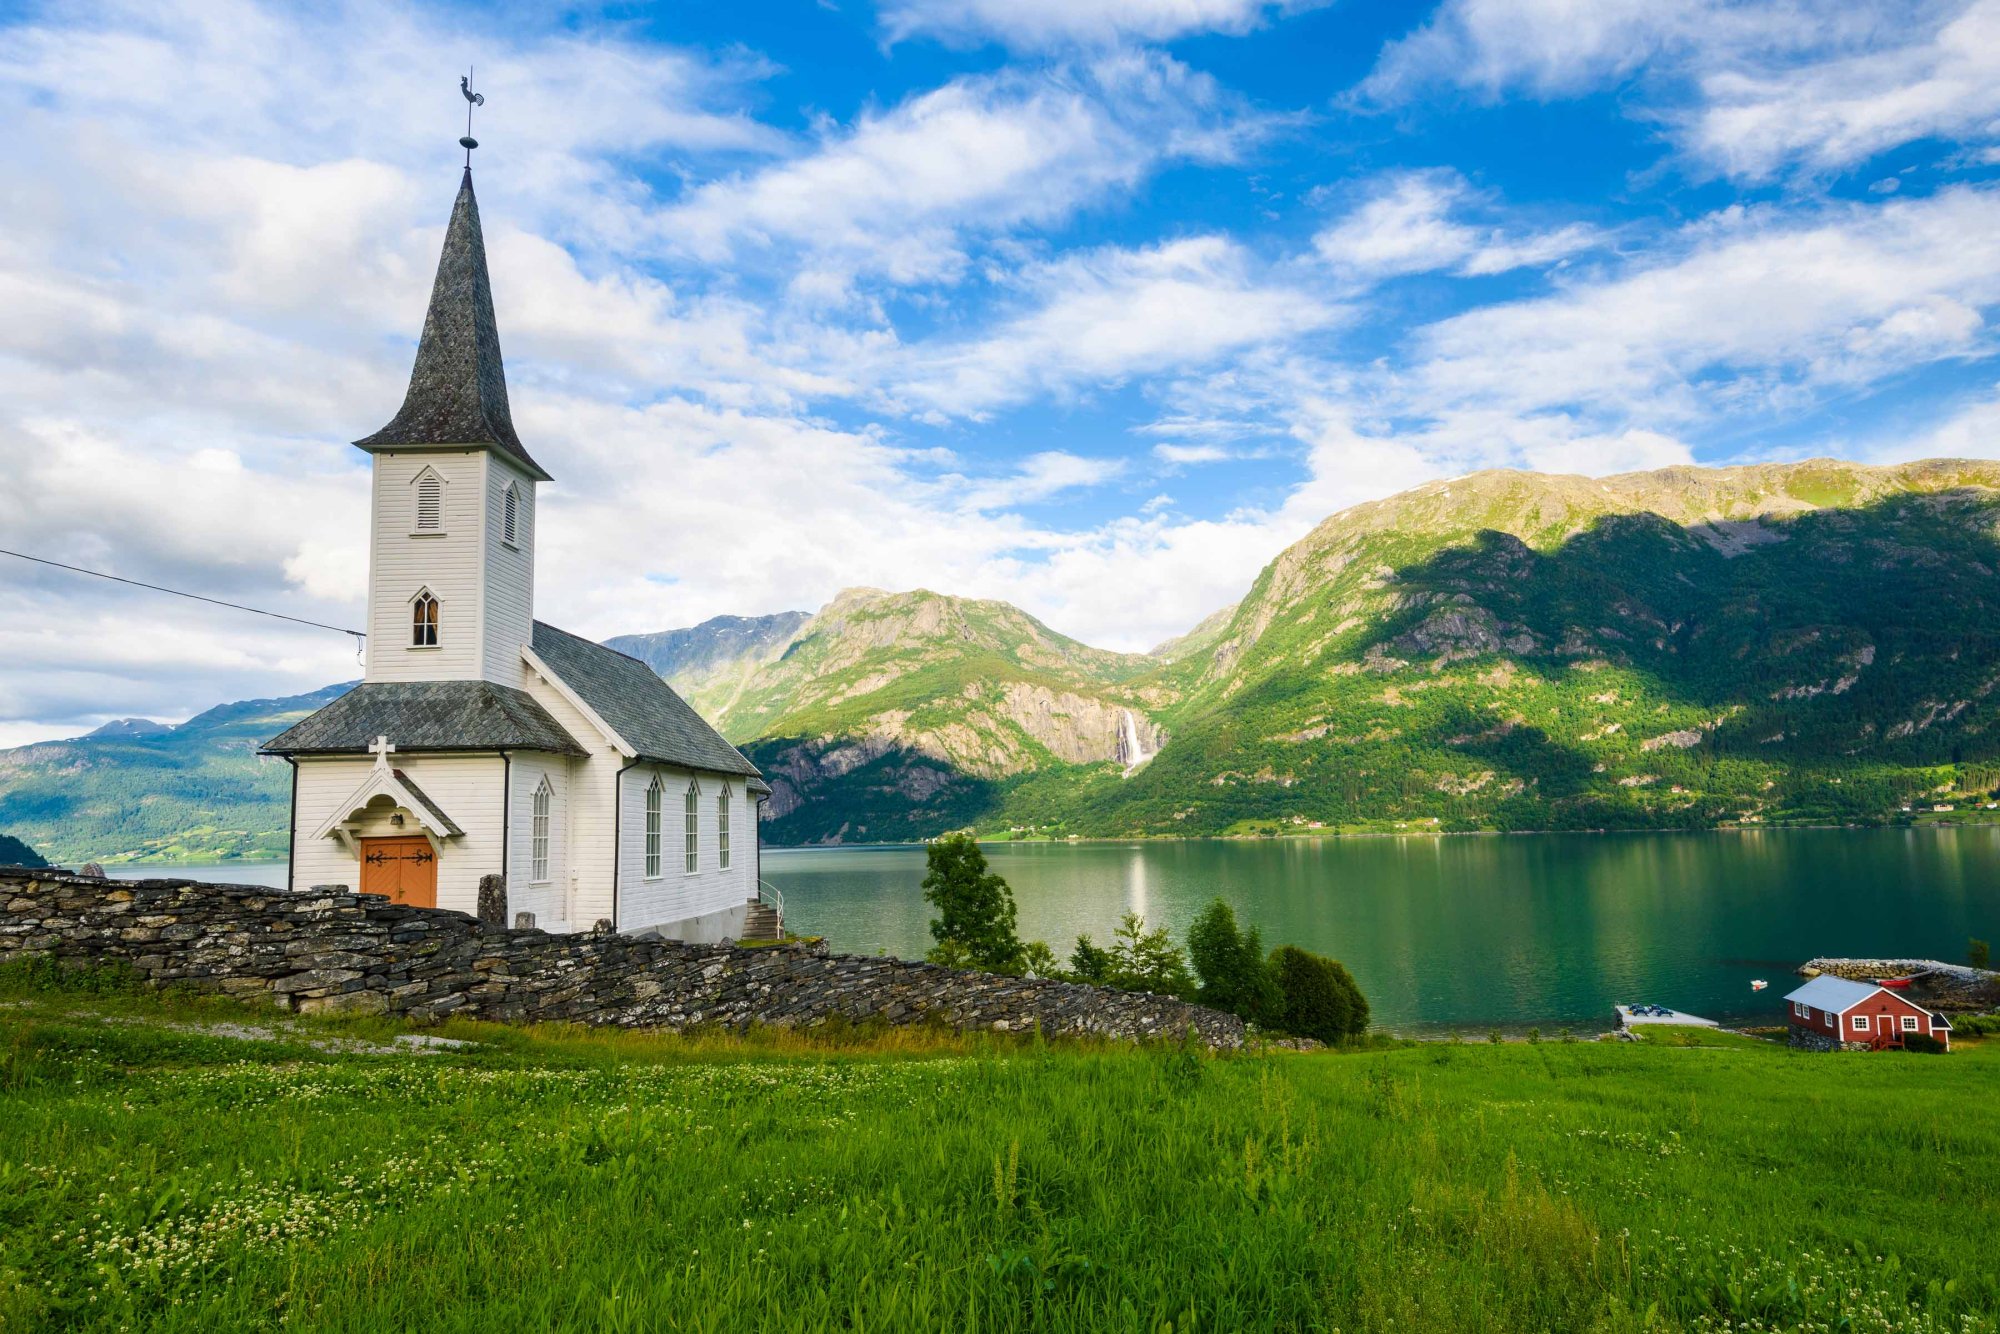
(430, 503)
(538, 832)
(722, 826)
(655, 799)
(510, 510)
(693, 820)
(424, 621)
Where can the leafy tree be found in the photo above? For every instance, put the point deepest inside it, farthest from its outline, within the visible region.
(975, 920)
(1089, 963)
(1979, 953)
(1037, 958)
(1321, 999)
(1143, 960)
(1230, 964)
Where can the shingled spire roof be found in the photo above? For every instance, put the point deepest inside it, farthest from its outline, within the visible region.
(458, 388)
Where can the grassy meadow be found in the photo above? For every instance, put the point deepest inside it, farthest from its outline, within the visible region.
(156, 1173)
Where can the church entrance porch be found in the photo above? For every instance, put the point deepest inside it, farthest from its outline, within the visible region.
(405, 869)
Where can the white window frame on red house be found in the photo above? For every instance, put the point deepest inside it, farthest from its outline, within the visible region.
(1909, 1023)
(1861, 1023)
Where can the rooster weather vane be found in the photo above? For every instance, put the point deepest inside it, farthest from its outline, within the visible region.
(472, 100)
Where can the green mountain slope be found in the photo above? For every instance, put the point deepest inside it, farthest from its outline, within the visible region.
(893, 715)
(195, 792)
(1678, 648)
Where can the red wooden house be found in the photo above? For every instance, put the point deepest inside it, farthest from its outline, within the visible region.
(1831, 1012)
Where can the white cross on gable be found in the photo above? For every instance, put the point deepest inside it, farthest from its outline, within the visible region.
(381, 750)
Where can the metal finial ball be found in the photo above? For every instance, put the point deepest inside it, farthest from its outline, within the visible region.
(468, 143)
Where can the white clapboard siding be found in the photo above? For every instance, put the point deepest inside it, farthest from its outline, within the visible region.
(591, 781)
(674, 895)
(547, 899)
(465, 787)
(510, 573)
(449, 563)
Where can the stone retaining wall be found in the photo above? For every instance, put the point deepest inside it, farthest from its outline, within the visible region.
(330, 951)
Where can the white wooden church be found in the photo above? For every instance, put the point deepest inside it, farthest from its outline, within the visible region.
(482, 741)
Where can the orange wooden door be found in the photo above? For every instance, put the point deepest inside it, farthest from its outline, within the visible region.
(403, 868)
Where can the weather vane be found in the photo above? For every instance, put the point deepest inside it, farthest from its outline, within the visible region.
(472, 100)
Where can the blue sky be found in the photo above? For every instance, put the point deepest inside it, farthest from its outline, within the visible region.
(1092, 305)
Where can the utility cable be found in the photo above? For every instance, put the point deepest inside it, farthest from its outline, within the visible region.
(161, 588)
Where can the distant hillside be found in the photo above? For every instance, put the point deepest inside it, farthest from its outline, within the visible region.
(1814, 641)
(196, 792)
(13, 852)
(707, 663)
(893, 715)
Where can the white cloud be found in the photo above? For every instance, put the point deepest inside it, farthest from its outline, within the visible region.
(896, 193)
(1109, 314)
(1748, 90)
(1182, 455)
(1412, 222)
(1038, 24)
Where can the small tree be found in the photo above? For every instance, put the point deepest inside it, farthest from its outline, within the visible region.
(1089, 963)
(1143, 960)
(975, 921)
(1230, 964)
(1978, 953)
(1321, 999)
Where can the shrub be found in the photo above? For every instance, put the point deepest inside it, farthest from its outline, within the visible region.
(1143, 960)
(1979, 953)
(1231, 966)
(1088, 963)
(1922, 1042)
(975, 922)
(1320, 999)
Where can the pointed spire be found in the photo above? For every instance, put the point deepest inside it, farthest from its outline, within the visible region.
(458, 388)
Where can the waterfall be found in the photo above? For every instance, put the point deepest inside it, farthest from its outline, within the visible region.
(1131, 749)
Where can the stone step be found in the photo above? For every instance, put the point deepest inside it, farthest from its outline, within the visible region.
(763, 923)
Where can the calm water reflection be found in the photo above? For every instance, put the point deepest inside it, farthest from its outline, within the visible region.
(1542, 929)
(1442, 932)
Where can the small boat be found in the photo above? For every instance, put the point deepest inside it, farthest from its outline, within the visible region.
(1758, 984)
(1893, 983)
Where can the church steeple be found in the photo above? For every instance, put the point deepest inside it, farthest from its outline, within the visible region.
(458, 388)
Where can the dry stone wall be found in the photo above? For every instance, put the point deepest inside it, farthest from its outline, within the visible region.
(331, 951)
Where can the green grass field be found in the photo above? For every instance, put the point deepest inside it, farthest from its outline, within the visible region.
(156, 1175)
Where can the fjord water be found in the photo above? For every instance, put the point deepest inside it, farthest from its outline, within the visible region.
(1540, 930)
(1469, 932)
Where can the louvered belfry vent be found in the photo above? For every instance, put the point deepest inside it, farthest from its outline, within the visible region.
(430, 505)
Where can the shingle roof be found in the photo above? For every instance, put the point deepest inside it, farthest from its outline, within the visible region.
(637, 704)
(423, 798)
(427, 715)
(1833, 994)
(458, 387)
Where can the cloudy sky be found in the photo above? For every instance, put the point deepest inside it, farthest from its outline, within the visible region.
(1092, 305)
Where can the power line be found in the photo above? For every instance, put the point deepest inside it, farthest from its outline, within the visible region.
(161, 588)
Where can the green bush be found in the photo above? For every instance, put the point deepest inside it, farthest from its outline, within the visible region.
(1979, 953)
(1143, 960)
(1089, 963)
(1230, 964)
(1320, 998)
(1923, 1042)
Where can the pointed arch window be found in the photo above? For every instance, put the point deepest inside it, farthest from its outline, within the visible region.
(538, 832)
(656, 794)
(691, 806)
(430, 503)
(424, 620)
(510, 515)
(722, 826)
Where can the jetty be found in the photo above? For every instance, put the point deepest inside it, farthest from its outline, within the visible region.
(1944, 986)
(1634, 1016)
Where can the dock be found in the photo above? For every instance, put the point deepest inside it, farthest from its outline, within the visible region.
(1628, 1018)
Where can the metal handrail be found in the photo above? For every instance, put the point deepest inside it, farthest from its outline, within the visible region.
(773, 897)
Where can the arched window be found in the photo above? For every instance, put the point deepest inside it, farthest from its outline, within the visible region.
(655, 799)
(538, 832)
(722, 826)
(430, 503)
(424, 620)
(693, 820)
(510, 509)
